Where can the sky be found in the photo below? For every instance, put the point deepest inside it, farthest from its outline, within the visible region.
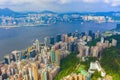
(62, 5)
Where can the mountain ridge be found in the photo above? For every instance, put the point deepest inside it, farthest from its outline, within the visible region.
(9, 12)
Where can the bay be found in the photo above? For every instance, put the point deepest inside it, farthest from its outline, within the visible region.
(22, 37)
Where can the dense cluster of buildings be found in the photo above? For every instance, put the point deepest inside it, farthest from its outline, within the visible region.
(99, 19)
(38, 19)
(41, 61)
(47, 18)
(95, 51)
(74, 77)
(91, 51)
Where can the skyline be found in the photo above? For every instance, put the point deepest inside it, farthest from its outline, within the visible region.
(59, 39)
(62, 5)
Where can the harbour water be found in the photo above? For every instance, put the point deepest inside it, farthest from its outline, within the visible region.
(21, 37)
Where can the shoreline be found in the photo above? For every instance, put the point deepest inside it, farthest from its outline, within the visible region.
(15, 26)
(24, 26)
(7, 27)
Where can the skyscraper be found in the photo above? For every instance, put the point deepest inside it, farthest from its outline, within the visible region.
(52, 41)
(30, 73)
(114, 42)
(57, 57)
(7, 59)
(69, 34)
(37, 45)
(87, 50)
(72, 46)
(58, 38)
(12, 56)
(102, 39)
(17, 55)
(47, 41)
(91, 34)
(52, 55)
(32, 54)
(44, 75)
(95, 51)
(34, 71)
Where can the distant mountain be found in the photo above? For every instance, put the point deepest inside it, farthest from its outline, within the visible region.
(8, 12)
(46, 11)
(42, 12)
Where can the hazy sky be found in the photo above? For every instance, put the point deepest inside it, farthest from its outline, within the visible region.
(61, 5)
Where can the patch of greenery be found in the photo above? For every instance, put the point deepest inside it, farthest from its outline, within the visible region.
(87, 62)
(96, 75)
(68, 65)
(93, 42)
(110, 60)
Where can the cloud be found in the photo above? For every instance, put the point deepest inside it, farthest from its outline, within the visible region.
(65, 1)
(113, 2)
(55, 4)
(91, 1)
(33, 1)
(109, 2)
(35, 4)
(15, 2)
